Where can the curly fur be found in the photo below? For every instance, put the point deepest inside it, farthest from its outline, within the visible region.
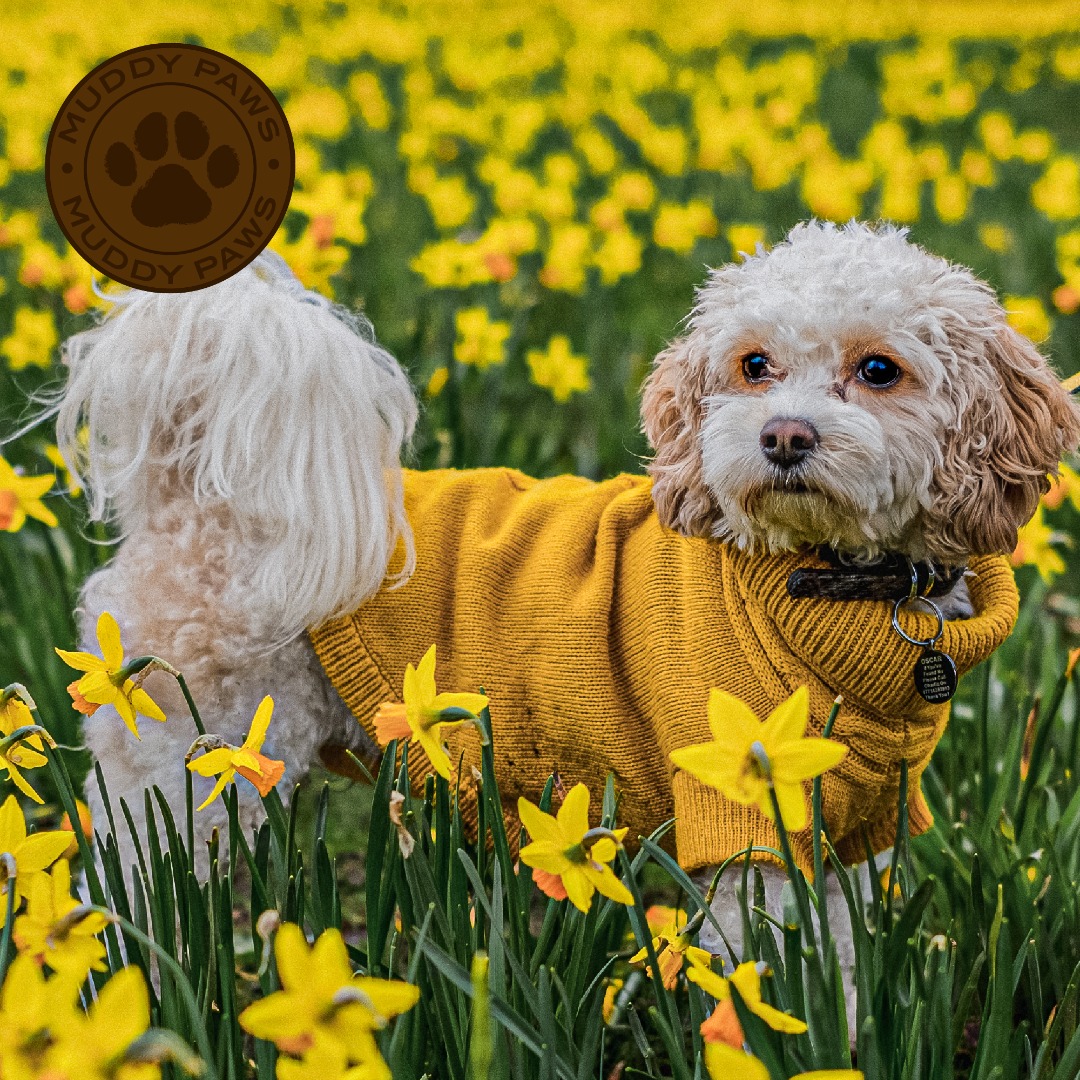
(947, 463)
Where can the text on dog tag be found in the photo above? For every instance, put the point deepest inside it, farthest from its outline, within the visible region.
(935, 676)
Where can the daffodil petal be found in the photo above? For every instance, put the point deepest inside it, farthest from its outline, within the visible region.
(22, 784)
(609, 885)
(544, 856)
(425, 677)
(579, 889)
(293, 956)
(539, 825)
(438, 757)
(247, 760)
(806, 758)
(212, 762)
(275, 1017)
(219, 787)
(145, 705)
(108, 636)
(12, 825)
(777, 1020)
(391, 997)
(792, 802)
(731, 719)
(81, 661)
(787, 722)
(40, 850)
(724, 1060)
(259, 724)
(573, 815)
(708, 763)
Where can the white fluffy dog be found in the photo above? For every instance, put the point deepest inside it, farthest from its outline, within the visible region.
(844, 389)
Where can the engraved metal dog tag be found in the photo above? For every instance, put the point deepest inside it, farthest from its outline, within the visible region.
(935, 676)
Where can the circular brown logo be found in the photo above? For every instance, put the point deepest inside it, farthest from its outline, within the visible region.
(170, 167)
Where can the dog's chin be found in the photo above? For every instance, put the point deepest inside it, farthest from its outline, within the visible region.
(792, 513)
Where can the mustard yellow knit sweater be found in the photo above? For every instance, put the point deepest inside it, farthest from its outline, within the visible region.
(597, 634)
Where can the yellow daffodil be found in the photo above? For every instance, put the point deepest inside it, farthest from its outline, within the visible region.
(672, 947)
(20, 498)
(225, 761)
(1066, 485)
(725, 1062)
(32, 854)
(481, 341)
(424, 715)
(57, 930)
(32, 1008)
(92, 1045)
(106, 681)
(569, 859)
(322, 1003)
(15, 705)
(326, 1060)
(1034, 547)
(558, 369)
(611, 992)
(748, 756)
(722, 1025)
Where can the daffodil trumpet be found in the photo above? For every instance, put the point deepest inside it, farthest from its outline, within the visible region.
(582, 852)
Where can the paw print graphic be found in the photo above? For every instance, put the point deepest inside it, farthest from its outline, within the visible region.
(175, 192)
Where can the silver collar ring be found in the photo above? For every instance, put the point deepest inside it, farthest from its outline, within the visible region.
(907, 637)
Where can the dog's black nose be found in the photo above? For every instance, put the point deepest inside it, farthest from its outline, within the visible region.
(786, 441)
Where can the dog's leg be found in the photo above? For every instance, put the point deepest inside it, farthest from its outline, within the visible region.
(728, 914)
(166, 605)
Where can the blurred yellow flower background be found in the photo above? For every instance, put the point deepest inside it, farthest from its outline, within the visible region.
(522, 197)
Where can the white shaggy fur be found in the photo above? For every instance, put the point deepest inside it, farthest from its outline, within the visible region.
(246, 438)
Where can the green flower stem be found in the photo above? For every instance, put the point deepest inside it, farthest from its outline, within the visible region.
(819, 858)
(66, 791)
(1038, 750)
(794, 874)
(7, 865)
(181, 983)
(190, 703)
(640, 923)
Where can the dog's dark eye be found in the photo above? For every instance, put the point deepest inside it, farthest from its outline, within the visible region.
(755, 367)
(878, 371)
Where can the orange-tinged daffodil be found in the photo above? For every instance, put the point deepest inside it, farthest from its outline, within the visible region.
(672, 947)
(32, 854)
(20, 498)
(722, 1025)
(226, 761)
(748, 756)
(15, 705)
(424, 714)
(568, 859)
(322, 1002)
(57, 930)
(106, 681)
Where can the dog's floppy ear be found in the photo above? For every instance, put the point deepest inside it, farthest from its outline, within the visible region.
(1010, 436)
(672, 411)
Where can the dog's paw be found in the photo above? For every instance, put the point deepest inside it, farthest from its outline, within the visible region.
(172, 195)
(956, 604)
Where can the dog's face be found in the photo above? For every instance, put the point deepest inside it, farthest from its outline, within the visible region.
(848, 388)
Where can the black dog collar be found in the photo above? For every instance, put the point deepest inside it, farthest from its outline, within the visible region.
(888, 579)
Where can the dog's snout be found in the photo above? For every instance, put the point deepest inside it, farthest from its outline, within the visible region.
(786, 441)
